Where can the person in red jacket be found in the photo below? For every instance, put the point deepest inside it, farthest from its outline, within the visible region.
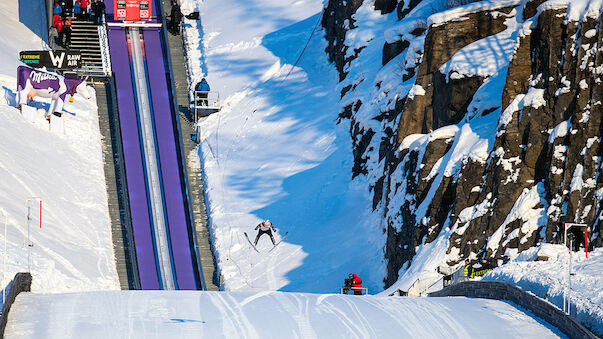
(356, 284)
(59, 26)
(84, 9)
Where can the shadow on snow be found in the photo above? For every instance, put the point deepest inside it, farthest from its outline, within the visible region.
(319, 206)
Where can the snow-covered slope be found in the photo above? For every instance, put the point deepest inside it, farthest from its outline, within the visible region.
(187, 314)
(73, 249)
(547, 279)
(274, 151)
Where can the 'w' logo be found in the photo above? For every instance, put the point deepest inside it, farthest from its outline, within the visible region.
(57, 60)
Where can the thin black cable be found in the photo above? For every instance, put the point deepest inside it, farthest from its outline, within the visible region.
(306, 46)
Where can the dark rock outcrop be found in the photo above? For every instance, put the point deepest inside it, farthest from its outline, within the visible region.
(391, 50)
(386, 6)
(543, 162)
(337, 20)
(445, 102)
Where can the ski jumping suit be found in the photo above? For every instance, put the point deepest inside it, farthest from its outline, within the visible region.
(356, 284)
(264, 228)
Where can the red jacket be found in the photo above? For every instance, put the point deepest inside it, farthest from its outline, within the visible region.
(356, 282)
(59, 25)
(84, 4)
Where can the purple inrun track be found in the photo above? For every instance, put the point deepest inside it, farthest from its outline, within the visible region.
(109, 10)
(145, 254)
(176, 213)
(170, 171)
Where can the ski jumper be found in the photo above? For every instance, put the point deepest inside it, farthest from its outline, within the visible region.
(264, 228)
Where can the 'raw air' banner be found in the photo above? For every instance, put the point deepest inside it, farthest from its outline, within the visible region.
(64, 60)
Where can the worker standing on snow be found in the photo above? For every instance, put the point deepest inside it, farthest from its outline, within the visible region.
(356, 284)
(468, 272)
(265, 227)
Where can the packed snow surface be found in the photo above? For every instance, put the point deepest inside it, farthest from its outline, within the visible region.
(188, 314)
(275, 151)
(72, 251)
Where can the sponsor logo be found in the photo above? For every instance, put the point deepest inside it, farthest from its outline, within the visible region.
(57, 60)
(38, 77)
(52, 59)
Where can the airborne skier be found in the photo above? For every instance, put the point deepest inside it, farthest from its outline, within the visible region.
(265, 227)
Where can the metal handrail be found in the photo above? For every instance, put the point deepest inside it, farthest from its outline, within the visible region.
(104, 46)
(210, 101)
(425, 290)
(355, 289)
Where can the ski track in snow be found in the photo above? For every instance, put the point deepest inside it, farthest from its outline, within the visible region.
(123, 314)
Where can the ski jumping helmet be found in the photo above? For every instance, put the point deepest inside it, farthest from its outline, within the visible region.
(267, 222)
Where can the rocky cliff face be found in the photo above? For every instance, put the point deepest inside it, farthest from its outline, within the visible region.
(476, 125)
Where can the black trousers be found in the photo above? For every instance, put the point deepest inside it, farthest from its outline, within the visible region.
(202, 99)
(174, 26)
(269, 232)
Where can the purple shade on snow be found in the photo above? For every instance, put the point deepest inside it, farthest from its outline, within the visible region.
(139, 208)
(170, 171)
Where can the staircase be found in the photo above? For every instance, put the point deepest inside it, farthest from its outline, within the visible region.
(85, 38)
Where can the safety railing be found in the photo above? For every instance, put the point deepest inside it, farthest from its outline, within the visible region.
(424, 285)
(104, 46)
(351, 290)
(205, 103)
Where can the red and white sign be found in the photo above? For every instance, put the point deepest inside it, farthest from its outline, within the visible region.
(132, 10)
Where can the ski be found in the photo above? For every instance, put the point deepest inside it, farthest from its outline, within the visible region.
(283, 238)
(250, 243)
